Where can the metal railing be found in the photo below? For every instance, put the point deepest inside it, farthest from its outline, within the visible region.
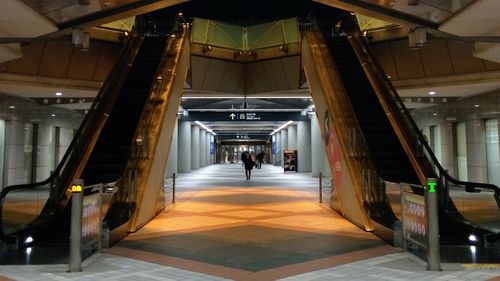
(52, 194)
(474, 200)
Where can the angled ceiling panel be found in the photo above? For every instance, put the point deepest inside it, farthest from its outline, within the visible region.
(291, 68)
(199, 67)
(214, 75)
(276, 75)
(257, 78)
(232, 77)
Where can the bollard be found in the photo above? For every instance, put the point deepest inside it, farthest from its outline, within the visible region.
(431, 197)
(75, 248)
(173, 188)
(320, 187)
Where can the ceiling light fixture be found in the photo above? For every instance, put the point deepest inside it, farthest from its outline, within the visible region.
(432, 93)
(281, 128)
(58, 94)
(205, 127)
(12, 107)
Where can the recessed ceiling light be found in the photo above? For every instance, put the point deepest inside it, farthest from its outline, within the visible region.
(434, 114)
(476, 105)
(53, 115)
(432, 93)
(58, 94)
(12, 107)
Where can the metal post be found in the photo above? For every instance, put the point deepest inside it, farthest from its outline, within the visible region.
(320, 187)
(173, 188)
(431, 197)
(75, 248)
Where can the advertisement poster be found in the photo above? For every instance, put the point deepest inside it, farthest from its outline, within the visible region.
(290, 160)
(334, 151)
(414, 218)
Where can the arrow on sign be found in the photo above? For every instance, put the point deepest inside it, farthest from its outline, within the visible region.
(232, 115)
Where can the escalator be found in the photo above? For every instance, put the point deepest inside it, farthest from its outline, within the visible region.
(103, 146)
(380, 138)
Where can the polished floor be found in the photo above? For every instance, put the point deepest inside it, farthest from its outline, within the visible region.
(271, 227)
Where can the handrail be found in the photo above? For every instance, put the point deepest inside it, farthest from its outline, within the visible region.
(407, 117)
(85, 136)
(139, 150)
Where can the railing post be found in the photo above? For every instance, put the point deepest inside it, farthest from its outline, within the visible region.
(320, 187)
(431, 197)
(173, 188)
(75, 247)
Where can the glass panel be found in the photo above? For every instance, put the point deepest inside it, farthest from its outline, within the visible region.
(28, 152)
(461, 152)
(480, 208)
(492, 152)
(2, 151)
(436, 141)
(23, 206)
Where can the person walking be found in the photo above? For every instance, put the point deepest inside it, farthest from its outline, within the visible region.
(260, 159)
(249, 164)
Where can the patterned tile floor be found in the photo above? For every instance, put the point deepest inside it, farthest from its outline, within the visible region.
(269, 228)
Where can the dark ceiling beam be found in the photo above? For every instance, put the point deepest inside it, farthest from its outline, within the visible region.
(379, 12)
(128, 10)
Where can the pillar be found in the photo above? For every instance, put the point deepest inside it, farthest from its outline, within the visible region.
(195, 147)
(184, 147)
(172, 155)
(303, 146)
(319, 163)
(203, 148)
(211, 150)
(292, 137)
(284, 144)
(277, 158)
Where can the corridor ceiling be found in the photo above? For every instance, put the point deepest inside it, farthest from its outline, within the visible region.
(25, 20)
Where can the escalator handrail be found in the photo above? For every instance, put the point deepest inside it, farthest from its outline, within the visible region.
(356, 33)
(96, 115)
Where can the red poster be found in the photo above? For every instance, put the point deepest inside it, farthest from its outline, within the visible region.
(334, 151)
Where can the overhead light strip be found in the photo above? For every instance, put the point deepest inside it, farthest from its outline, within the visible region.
(205, 127)
(281, 128)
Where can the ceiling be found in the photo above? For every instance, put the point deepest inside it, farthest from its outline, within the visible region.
(35, 18)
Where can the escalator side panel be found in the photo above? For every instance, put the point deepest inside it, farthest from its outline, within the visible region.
(346, 173)
(151, 181)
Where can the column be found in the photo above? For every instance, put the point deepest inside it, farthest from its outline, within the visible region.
(203, 148)
(284, 144)
(303, 146)
(292, 137)
(318, 157)
(172, 155)
(277, 157)
(184, 147)
(212, 151)
(195, 147)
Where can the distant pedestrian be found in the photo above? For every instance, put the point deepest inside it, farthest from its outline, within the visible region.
(260, 159)
(249, 164)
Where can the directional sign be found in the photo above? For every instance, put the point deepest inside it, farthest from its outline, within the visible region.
(244, 116)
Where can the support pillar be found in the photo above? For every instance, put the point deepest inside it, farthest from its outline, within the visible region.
(184, 147)
(304, 146)
(203, 148)
(172, 155)
(284, 144)
(195, 147)
(277, 157)
(318, 157)
(292, 137)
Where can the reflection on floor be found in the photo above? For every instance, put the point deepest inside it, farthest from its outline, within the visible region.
(260, 228)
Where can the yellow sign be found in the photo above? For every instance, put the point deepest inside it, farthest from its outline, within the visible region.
(76, 188)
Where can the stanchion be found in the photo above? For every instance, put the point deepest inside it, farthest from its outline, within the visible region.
(173, 188)
(75, 248)
(431, 197)
(320, 187)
